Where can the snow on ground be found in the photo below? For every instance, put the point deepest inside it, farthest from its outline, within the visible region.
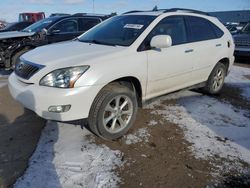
(237, 78)
(152, 123)
(141, 135)
(66, 157)
(213, 127)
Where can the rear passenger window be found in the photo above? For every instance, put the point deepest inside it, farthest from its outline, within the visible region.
(219, 33)
(88, 23)
(199, 29)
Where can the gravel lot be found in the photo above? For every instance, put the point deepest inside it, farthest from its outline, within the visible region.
(185, 139)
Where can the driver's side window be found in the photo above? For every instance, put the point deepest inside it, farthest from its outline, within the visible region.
(65, 26)
(173, 26)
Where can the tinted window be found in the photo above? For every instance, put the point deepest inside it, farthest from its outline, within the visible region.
(119, 30)
(219, 33)
(246, 29)
(66, 26)
(38, 26)
(88, 23)
(173, 26)
(10, 26)
(21, 26)
(17, 26)
(199, 29)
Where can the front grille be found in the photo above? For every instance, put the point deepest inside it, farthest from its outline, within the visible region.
(242, 42)
(26, 69)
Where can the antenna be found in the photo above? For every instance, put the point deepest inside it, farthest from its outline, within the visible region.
(93, 6)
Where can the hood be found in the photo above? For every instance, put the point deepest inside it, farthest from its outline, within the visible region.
(242, 37)
(15, 34)
(69, 53)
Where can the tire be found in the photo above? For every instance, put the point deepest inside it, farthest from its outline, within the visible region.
(216, 79)
(16, 58)
(105, 120)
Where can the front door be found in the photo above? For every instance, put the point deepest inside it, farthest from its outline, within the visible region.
(170, 68)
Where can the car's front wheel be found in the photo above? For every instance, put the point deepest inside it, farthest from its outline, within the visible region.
(113, 111)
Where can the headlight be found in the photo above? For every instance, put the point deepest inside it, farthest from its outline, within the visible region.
(63, 78)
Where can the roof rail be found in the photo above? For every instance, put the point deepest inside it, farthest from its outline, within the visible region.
(104, 16)
(79, 14)
(134, 11)
(171, 10)
(186, 10)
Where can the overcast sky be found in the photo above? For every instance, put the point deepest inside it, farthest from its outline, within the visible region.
(9, 9)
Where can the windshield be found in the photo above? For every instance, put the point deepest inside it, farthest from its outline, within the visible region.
(10, 25)
(119, 30)
(246, 29)
(38, 26)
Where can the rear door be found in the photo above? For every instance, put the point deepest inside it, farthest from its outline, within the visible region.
(64, 30)
(206, 46)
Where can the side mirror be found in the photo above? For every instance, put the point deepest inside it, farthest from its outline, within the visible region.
(161, 41)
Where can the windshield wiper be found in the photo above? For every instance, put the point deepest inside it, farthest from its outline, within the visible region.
(97, 42)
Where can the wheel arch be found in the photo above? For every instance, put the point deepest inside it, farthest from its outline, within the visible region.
(134, 83)
(225, 61)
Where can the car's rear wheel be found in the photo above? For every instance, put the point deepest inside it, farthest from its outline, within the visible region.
(113, 111)
(216, 79)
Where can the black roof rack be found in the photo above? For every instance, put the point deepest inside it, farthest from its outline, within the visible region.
(103, 16)
(134, 11)
(59, 14)
(187, 10)
(79, 14)
(171, 10)
(89, 14)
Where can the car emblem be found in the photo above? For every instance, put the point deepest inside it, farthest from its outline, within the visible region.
(20, 66)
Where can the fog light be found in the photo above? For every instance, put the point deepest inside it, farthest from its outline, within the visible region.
(59, 109)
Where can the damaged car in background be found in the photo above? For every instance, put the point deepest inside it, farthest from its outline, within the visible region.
(16, 26)
(46, 31)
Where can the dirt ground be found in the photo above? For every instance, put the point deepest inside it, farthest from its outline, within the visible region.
(163, 161)
(19, 133)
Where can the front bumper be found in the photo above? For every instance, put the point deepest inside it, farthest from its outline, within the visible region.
(39, 99)
(242, 51)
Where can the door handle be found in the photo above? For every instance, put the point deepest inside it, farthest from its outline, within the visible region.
(189, 51)
(218, 45)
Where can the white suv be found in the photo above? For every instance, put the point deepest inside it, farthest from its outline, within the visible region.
(106, 73)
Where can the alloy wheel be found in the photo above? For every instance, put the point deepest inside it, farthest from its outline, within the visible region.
(118, 113)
